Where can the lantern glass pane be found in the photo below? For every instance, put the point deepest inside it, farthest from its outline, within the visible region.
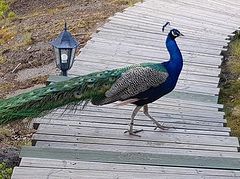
(72, 57)
(57, 54)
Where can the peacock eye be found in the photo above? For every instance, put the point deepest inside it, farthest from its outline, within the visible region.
(174, 34)
(91, 80)
(99, 74)
(77, 94)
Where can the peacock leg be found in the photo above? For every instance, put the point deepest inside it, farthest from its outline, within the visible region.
(158, 125)
(131, 131)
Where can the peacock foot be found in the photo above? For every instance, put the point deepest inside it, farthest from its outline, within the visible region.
(133, 132)
(162, 126)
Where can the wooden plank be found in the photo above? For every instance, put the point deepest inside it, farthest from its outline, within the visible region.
(179, 125)
(138, 149)
(46, 173)
(133, 158)
(145, 135)
(96, 166)
(49, 140)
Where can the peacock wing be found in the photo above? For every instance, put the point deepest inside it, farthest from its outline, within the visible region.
(135, 81)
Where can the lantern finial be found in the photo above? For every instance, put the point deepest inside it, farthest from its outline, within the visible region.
(65, 26)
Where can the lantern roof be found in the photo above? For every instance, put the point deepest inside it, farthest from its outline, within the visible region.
(65, 40)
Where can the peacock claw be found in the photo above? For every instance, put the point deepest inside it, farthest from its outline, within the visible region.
(161, 126)
(134, 132)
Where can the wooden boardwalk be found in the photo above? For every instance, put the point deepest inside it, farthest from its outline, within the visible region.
(91, 143)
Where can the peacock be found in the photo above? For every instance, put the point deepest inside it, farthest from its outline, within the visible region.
(138, 84)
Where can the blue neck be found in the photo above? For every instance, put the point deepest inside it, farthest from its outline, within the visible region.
(174, 65)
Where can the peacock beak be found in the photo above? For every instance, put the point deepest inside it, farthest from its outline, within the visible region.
(181, 34)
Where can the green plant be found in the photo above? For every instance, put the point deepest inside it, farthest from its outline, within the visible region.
(5, 11)
(4, 8)
(5, 172)
(11, 15)
(230, 90)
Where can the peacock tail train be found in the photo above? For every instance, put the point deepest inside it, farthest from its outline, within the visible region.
(91, 87)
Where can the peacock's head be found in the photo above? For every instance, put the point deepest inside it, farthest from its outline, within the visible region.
(174, 33)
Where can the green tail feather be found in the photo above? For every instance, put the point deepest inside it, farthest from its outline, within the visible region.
(90, 87)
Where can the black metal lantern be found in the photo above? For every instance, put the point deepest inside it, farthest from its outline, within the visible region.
(65, 47)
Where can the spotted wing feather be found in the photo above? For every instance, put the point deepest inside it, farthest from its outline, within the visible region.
(133, 82)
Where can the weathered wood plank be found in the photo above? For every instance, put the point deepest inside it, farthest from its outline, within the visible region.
(95, 166)
(49, 140)
(138, 149)
(133, 158)
(46, 173)
(144, 126)
(72, 119)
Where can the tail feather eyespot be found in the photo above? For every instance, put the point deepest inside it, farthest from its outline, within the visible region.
(77, 94)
